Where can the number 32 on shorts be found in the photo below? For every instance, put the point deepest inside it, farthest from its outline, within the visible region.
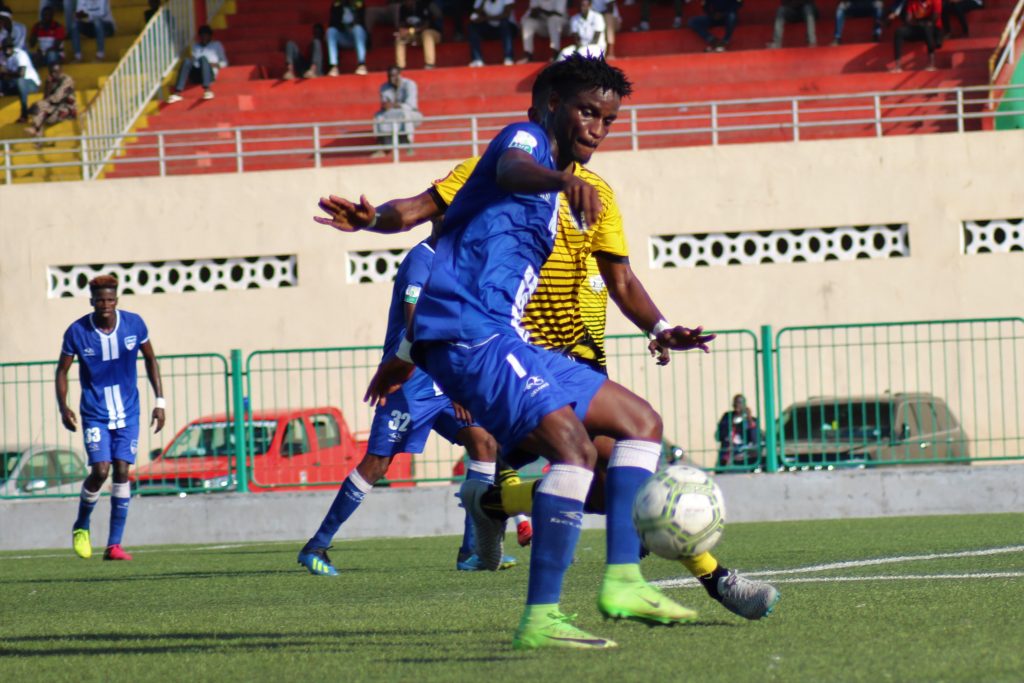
(399, 421)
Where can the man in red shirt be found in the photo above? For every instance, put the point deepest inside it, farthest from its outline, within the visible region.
(47, 39)
(921, 20)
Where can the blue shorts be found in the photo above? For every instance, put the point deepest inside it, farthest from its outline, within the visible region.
(103, 444)
(403, 425)
(507, 384)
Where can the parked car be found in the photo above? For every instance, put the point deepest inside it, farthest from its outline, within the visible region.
(27, 470)
(863, 431)
(291, 449)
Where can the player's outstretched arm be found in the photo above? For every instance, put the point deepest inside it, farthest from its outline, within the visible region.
(630, 295)
(153, 372)
(397, 215)
(518, 172)
(681, 338)
(67, 415)
(391, 374)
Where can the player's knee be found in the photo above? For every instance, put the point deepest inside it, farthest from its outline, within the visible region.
(645, 423)
(372, 468)
(482, 446)
(574, 446)
(100, 472)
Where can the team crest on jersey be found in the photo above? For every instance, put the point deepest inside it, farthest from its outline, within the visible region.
(597, 283)
(129, 342)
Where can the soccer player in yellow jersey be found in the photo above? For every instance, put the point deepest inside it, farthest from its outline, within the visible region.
(585, 267)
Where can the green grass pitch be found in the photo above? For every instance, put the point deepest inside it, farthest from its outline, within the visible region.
(929, 607)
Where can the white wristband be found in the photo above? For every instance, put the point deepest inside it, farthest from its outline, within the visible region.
(660, 327)
(373, 222)
(404, 350)
(160, 402)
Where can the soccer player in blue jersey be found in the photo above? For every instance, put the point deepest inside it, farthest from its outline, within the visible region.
(404, 425)
(467, 335)
(107, 343)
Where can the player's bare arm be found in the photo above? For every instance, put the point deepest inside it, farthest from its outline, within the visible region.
(391, 374)
(394, 216)
(518, 172)
(67, 415)
(153, 373)
(630, 295)
(681, 338)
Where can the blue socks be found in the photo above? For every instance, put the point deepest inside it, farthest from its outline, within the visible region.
(631, 464)
(86, 504)
(557, 521)
(120, 494)
(480, 471)
(349, 497)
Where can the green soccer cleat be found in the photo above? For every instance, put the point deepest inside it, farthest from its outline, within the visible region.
(640, 601)
(317, 562)
(749, 598)
(551, 628)
(81, 542)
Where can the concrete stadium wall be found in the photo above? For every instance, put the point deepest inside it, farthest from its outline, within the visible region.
(235, 518)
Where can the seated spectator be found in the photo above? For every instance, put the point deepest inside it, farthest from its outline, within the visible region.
(587, 29)
(645, 15)
(9, 28)
(347, 28)
(419, 23)
(491, 19)
(94, 19)
(311, 66)
(793, 12)
(47, 40)
(919, 20)
(716, 13)
(859, 8)
(959, 9)
(609, 9)
(547, 18)
(17, 75)
(738, 435)
(456, 11)
(399, 111)
(58, 103)
(56, 5)
(207, 59)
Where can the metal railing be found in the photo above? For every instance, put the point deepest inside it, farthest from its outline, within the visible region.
(304, 145)
(1006, 51)
(132, 85)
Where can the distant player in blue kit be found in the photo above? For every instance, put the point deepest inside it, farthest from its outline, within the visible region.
(107, 343)
(467, 335)
(404, 425)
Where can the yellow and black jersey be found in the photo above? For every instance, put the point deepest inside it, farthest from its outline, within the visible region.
(568, 308)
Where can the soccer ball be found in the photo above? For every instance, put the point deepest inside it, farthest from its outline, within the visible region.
(679, 512)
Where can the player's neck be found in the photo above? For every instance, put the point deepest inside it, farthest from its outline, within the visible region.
(104, 324)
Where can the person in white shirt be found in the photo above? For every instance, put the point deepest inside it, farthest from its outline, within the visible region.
(17, 75)
(94, 19)
(208, 57)
(548, 18)
(491, 19)
(9, 28)
(612, 22)
(587, 29)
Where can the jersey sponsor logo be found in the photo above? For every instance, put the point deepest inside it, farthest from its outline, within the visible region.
(129, 342)
(535, 384)
(596, 283)
(412, 294)
(523, 141)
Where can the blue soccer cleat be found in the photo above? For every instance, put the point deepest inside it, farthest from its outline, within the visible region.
(317, 562)
(473, 564)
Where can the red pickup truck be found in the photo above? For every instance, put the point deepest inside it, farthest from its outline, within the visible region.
(303, 448)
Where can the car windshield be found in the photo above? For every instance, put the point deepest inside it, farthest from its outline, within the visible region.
(8, 461)
(840, 422)
(208, 439)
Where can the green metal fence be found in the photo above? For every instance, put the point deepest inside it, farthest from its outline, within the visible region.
(828, 396)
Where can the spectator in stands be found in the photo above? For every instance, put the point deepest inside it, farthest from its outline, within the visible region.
(793, 12)
(154, 7)
(347, 28)
(58, 103)
(587, 29)
(609, 9)
(399, 111)
(457, 11)
(9, 28)
(645, 15)
(919, 20)
(491, 19)
(309, 66)
(859, 8)
(738, 435)
(56, 5)
(959, 9)
(17, 75)
(208, 57)
(547, 18)
(419, 23)
(47, 40)
(94, 19)
(716, 13)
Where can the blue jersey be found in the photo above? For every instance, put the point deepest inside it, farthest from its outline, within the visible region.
(107, 368)
(491, 250)
(409, 280)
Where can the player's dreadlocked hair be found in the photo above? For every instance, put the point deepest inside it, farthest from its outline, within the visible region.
(577, 73)
(103, 282)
